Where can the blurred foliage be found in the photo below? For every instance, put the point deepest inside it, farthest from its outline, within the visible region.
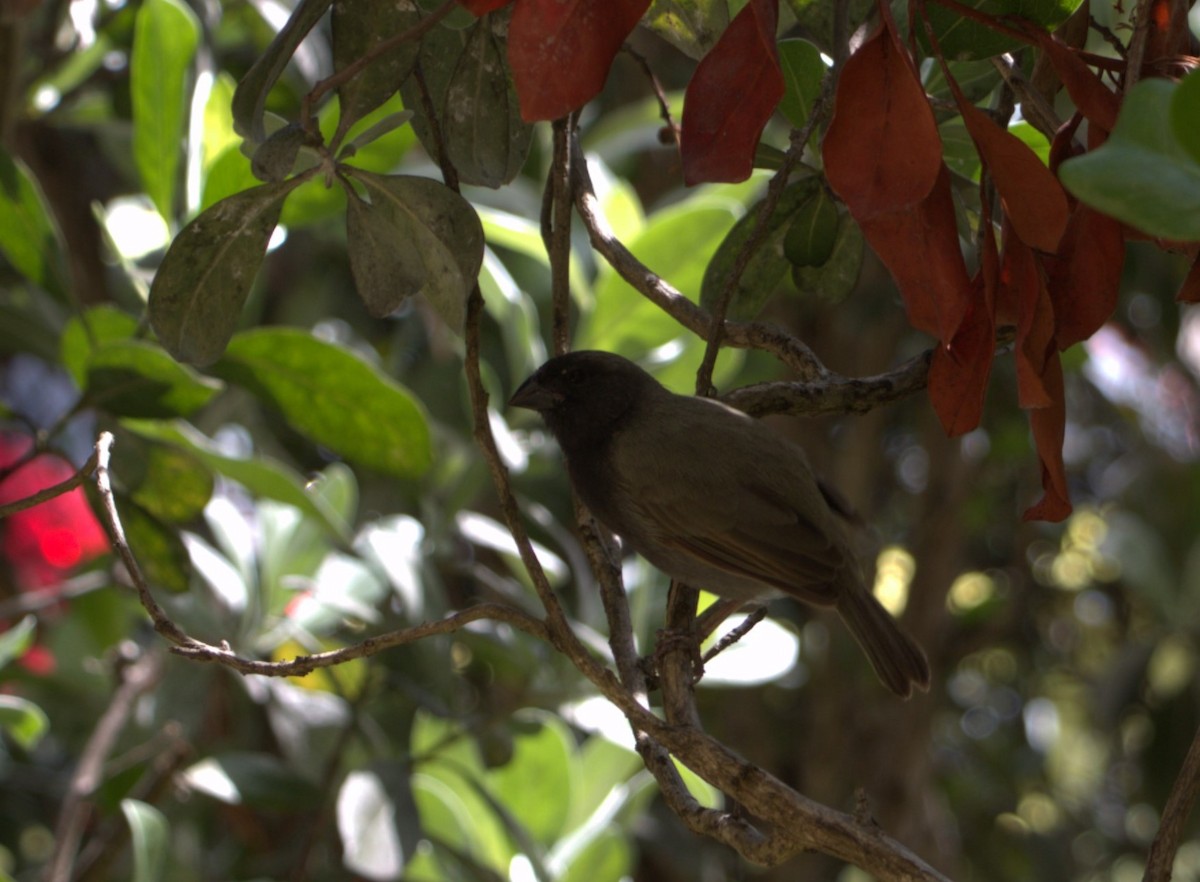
(313, 481)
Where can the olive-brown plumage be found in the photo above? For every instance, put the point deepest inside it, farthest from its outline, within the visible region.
(710, 496)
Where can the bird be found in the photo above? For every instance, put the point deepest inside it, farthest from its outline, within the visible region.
(711, 497)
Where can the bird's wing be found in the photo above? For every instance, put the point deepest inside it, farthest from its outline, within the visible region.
(756, 514)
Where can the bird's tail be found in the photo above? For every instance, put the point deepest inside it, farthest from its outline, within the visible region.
(896, 657)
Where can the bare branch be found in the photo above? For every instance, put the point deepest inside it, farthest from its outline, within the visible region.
(834, 394)
(742, 335)
(136, 679)
(49, 493)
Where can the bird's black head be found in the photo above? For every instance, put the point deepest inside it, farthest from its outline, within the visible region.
(585, 396)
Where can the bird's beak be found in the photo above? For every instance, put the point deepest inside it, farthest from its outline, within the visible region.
(533, 396)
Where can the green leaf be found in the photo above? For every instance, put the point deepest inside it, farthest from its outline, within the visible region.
(256, 780)
(358, 26)
(833, 280)
(275, 157)
(470, 86)
(198, 292)
(1142, 175)
(803, 73)
(415, 235)
(175, 485)
(262, 476)
(29, 237)
(230, 173)
(23, 720)
(84, 334)
(813, 231)
(150, 835)
(678, 242)
(486, 138)
(250, 98)
(165, 37)
(607, 858)
(1185, 114)
(962, 39)
(134, 378)
(16, 640)
(691, 26)
(332, 397)
(768, 265)
(158, 548)
(815, 18)
(366, 820)
(535, 784)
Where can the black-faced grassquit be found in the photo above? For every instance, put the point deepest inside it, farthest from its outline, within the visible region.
(711, 497)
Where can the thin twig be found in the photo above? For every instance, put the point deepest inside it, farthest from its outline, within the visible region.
(1137, 44)
(353, 69)
(49, 493)
(743, 335)
(758, 235)
(756, 615)
(136, 679)
(556, 233)
(664, 106)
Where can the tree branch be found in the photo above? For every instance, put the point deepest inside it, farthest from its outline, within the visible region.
(1161, 860)
(136, 679)
(49, 493)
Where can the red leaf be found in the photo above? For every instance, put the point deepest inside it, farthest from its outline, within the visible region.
(1094, 100)
(482, 7)
(1084, 278)
(1189, 292)
(1033, 198)
(919, 246)
(1024, 287)
(958, 375)
(1049, 426)
(560, 50)
(732, 94)
(882, 151)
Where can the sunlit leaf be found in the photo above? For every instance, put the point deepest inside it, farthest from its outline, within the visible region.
(803, 74)
(257, 780)
(22, 721)
(366, 820)
(198, 292)
(691, 26)
(1142, 175)
(164, 42)
(16, 640)
(97, 327)
(333, 397)
(535, 784)
(250, 99)
(962, 39)
(262, 476)
(159, 550)
(29, 238)
(134, 378)
(150, 836)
